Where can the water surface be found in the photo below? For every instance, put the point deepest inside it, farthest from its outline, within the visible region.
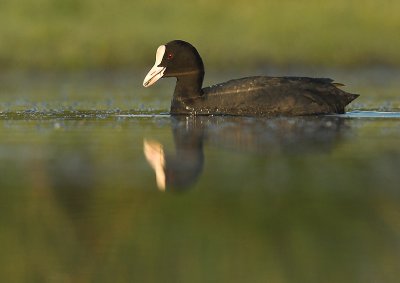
(97, 193)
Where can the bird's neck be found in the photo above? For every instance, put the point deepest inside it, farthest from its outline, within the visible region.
(188, 88)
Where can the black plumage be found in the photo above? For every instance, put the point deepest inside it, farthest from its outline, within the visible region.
(250, 96)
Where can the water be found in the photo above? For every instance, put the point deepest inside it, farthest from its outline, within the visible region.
(110, 193)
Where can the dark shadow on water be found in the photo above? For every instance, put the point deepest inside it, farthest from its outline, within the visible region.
(179, 171)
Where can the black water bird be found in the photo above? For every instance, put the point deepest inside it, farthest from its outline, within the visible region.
(250, 96)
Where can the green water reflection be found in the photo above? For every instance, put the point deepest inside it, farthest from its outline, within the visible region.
(281, 200)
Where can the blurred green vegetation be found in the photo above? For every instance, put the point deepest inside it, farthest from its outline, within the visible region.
(75, 34)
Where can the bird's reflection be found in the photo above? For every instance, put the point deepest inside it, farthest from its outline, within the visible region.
(183, 168)
(282, 135)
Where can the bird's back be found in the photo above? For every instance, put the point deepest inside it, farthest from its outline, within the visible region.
(271, 96)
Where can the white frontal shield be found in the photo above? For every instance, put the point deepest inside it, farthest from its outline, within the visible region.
(156, 72)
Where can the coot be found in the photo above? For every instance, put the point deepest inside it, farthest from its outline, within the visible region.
(250, 96)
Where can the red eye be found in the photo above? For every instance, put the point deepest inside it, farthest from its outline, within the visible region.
(170, 56)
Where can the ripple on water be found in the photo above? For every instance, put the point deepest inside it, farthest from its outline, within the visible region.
(103, 114)
(371, 114)
(75, 114)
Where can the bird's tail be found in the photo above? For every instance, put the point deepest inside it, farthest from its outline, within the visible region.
(349, 97)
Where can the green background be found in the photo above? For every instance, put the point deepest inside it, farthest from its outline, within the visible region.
(88, 34)
(79, 203)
